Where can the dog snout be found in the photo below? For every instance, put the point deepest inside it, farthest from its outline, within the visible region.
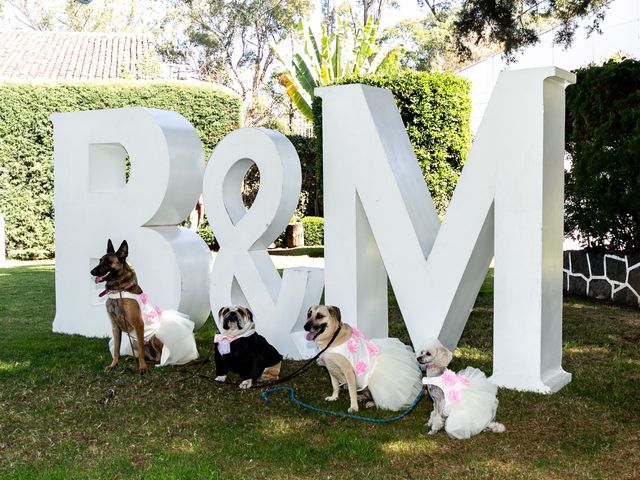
(231, 317)
(307, 326)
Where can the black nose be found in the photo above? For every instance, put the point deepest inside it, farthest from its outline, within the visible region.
(307, 327)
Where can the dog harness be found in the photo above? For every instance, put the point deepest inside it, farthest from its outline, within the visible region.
(150, 313)
(452, 384)
(361, 353)
(224, 341)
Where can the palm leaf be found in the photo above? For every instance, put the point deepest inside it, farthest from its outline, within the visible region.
(304, 75)
(336, 60)
(382, 62)
(294, 94)
(327, 72)
(324, 73)
(314, 44)
(364, 45)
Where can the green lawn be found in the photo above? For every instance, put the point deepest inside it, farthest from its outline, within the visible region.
(311, 251)
(156, 427)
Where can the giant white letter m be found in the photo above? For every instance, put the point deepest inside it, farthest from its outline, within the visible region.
(380, 221)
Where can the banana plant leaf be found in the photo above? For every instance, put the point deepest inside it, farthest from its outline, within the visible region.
(294, 94)
(304, 75)
(312, 40)
(336, 60)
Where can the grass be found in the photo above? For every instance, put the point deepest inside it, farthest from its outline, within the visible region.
(52, 427)
(311, 251)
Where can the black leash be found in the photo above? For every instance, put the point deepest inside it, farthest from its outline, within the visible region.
(111, 392)
(294, 374)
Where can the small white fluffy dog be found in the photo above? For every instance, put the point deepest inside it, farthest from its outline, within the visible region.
(464, 403)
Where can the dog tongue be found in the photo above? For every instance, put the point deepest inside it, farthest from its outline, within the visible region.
(310, 336)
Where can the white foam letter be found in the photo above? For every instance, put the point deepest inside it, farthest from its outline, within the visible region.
(243, 273)
(380, 220)
(93, 202)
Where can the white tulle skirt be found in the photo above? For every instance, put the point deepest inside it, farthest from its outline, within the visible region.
(174, 330)
(476, 408)
(395, 380)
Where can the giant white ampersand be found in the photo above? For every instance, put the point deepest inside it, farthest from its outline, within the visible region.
(243, 273)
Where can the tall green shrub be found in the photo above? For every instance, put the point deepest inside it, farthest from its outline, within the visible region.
(603, 139)
(436, 111)
(313, 230)
(26, 155)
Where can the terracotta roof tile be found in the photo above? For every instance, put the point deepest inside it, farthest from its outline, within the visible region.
(30, 55)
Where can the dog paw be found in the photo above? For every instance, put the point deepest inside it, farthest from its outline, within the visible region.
(111, 366)
(142, 370)
(331, 398)
(221, 378)
(370, 404)
(353, 409)
(432, 432)
(245, 384)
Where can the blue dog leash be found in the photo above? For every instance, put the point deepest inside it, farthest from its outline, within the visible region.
(292, 396)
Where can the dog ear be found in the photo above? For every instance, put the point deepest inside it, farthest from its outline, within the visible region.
(444, 356)
(309, 312)
(222, 311)
(123, 250)
(335, 312)
(110, 248)
(249, 314)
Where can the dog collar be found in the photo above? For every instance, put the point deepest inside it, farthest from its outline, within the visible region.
(224, 341)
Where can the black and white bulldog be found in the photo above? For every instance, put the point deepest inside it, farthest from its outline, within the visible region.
(240, 349)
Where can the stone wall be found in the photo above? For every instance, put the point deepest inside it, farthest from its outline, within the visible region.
(605, 276)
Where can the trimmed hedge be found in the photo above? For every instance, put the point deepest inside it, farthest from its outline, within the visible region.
(603, 138)
(26, 154)
(313, 230)
(436, 111)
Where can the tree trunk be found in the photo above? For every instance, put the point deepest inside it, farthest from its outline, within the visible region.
(294, 236)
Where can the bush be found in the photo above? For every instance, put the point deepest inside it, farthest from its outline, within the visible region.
(603, 139)
(26, 156)
(436, 110)
(313, 230)
(306, 148)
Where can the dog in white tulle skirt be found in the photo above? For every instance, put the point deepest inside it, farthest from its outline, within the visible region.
(464, 403)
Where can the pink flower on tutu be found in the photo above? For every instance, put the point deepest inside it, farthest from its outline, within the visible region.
(352, 345)
(144, 298)
(151, 316)
(463, 379)
(361, 367)
(158, 310)
(356, 332)
(453, 395)
(449, 378)
(373, 350)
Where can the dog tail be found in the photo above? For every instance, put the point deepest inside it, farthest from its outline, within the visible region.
(396, 379)
(496, 427)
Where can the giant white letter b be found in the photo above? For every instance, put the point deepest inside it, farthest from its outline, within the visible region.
(380, 221)
(93, 202)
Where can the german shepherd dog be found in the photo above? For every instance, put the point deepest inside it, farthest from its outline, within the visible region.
(125, 313)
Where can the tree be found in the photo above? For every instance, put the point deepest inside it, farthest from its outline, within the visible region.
(78, 16)
(515, 24)
(329, 60)
(353, 16)
(228, 42)
(429, 43)
(602, 207)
